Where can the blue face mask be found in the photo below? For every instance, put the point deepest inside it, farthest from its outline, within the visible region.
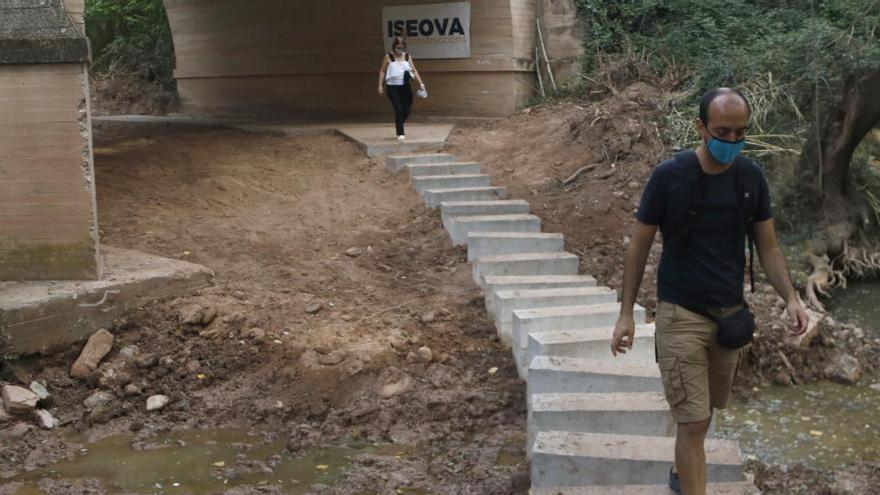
(724, 151)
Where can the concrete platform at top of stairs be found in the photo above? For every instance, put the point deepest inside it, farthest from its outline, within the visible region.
(580, 459)
(731, 488)
(379, 139)
(39, 317)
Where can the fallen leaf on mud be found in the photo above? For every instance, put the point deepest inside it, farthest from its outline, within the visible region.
(816, 433)
(322, 467)
(201, 376)
(493, 370)
(219, 464)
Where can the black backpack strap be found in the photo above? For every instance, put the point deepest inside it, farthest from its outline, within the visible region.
(694, 190)
(747, 201)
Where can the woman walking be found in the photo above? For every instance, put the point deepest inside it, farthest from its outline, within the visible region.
(394, 77)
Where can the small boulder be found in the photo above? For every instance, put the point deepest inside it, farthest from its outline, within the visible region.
(99, 344)
(844, 369)
(255, 334)
(98, 400)
(193, 366)
(353, 252)
(396, 388)
(45, 420)
(146, 361)
(332, 358)
(197, 315)
(157, 402)
(425, 354)
(18, 400)
(130, 351)
(16, 431)
(132, 390)
(314, 308)
(39, 389)
(5, 417)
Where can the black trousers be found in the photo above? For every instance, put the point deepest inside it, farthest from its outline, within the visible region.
(401, 100)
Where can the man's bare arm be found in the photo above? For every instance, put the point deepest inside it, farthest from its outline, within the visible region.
(774, 266)
(633, 271)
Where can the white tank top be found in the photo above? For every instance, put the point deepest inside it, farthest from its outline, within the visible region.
(395, 71)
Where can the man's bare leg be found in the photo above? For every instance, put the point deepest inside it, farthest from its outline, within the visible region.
(690, 456)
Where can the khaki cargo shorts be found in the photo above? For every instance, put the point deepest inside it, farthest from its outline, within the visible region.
(697, 373)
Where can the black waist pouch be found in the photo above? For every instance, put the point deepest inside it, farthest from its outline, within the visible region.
(734, 331)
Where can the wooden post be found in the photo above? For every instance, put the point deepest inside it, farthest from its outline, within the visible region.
(544, 51)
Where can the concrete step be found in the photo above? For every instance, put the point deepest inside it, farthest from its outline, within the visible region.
(461, 226)
(507, 301)
(559, 375)
(590, 343)
(641, 413)
(592, 459)
(451, 209)
(426, 182)
(551, 319)
(497, 283)
(526, 264)
(453, 168)
(732, 488)
(481, 244)
(397, 163)
(433, 197)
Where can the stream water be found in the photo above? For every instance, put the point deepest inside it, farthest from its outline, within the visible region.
(199, 463)
(821, 425)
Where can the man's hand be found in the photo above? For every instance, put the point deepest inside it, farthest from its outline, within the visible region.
(624, 333)
(381, 90)
(798, 316)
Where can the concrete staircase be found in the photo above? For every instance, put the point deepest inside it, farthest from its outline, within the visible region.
(596, 424)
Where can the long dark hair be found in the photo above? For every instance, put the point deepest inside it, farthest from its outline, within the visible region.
(398, 40)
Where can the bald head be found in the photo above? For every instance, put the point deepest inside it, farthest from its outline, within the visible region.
(723, 102)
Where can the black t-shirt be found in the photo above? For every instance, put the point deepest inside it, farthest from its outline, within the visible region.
(710, 273)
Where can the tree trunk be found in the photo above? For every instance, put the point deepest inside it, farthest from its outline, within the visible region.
(843, 127)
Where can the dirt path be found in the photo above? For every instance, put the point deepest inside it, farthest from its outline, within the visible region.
(290, 225)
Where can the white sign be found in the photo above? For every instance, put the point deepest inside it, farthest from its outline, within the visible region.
(437, 30)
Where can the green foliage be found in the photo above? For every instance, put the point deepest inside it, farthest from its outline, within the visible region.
(736, 42)
(132, 36)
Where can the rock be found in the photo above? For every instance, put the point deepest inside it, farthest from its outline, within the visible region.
(397, 388)
(18, 400)
(428, 317)
(425, 354)
(193, 366)
(257, 334)
(398, 344)
(781, 378)
(113, 378)
(332, 358)
(146, 361)
(412, 357)
(16, 431)
(314, 308)
(98, 400)
(875, 386)
(45, 420)
(99, 344)
(814, 325)
(197, 315)
(132, 390)
(129, 351)
(39, 389)
(157, 402)
(353, 252)
(5, 417)
(844, 369)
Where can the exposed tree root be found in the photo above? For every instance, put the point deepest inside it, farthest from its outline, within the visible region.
(860, 263)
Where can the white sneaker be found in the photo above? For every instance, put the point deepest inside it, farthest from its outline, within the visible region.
(401, 138)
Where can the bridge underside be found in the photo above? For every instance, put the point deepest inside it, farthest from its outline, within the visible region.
(306, 58)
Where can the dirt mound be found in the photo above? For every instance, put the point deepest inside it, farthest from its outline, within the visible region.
(331, 278)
